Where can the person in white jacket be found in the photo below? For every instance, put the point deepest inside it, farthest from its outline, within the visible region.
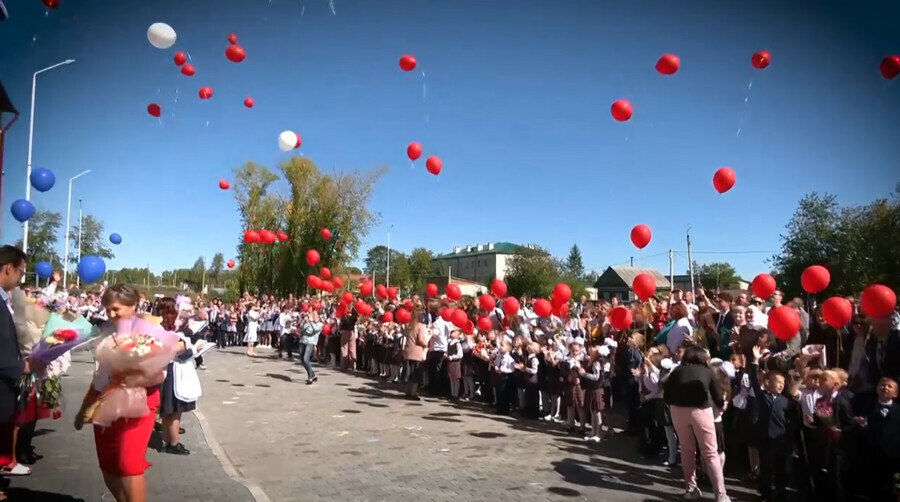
(181, 388)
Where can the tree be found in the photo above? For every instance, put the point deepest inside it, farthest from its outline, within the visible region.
(92, 239)
(196, 276)
(43, 228)
(531, 272)
(376, 264)
(216, 268)
(574, 265)
(717, 275)
(859, 245)
(420, 267)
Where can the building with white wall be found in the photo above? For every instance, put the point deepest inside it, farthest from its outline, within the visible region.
(477, 263)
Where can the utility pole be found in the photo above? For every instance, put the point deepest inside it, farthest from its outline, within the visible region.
(80, 227)
(690, 260)
(632, 261)
(671, 269)
(148, 275)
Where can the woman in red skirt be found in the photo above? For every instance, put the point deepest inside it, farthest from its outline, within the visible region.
(122, 447)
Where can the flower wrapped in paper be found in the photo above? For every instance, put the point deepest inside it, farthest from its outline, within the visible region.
(134, 354)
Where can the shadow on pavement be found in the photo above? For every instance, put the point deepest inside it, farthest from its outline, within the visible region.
(22, 494)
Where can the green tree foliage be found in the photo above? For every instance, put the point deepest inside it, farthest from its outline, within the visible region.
(859, 245)
(531, 272)
(376, 264)
(43, 229)
(93, 240)
(574, 265)
(420, 267)
(717, 275)
(313, 200)
(197, 275)
(216, 268)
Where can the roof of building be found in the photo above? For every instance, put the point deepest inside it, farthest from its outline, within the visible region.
(627, 275)
(499, 248)
(5, 103)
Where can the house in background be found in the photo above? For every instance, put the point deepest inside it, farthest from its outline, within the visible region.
(467, 288)
(615, 282)
(683, 282)
(478, 263)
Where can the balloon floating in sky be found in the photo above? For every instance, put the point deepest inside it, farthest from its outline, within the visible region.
(91, 268)
(229, 264)
(22, 210)
(115, 238)
(50, 4)
(760, 59)
(43, 269)
(640, 236)
(325, 233)
(235, 53)
(205, 92)
(414, 150)
(224, 185)
(161, 35)
(154, 109)
(877, 301)
(668, 64)
(248, 102)
(187, 70)
(621, 110)
(180, 58)
(312, 257)
(724, 179)
(42, 179)
(433, 165)
(288, 140)
(232, 38)
(890, 67)
(407, 62)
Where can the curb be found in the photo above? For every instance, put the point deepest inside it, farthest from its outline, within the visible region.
(230, 470)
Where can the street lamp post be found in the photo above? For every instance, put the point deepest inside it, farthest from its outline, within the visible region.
(388, 278)
(78, 277)
(30, 142)
(68, 214)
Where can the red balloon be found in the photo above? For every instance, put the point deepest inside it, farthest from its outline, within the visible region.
(230, 263)
(365, 288)
(431, 290)
(510, 305)
(469, 328)
(338, 283)
(486, 303)
(347, 298)
(407, 62)
(282, 236)
(153, 109)
(620, 318)
(50, 4)
(235, 53)
(381, 291)
(251, 236)
(561, 310)
(433, 165)
(325, 273)
(484, 323)
(621, 110)
(815, 279)
(453, 292)
(408, 305)
(760, 59)
(459, 318)
(784, 322)
(890, 67)
(403, 315)
(313, 282)
(325, 233)
(562, 293)
(392, 292)
(268, 236)
(326, 329)
(224, 185)
(341, 310)
(668, 64)
(447, 313)
(387, 316)
(837, 312)
(188, 70)
(498, 287)
(542, 308)
(640, 236)
(248, 102)
(232, 38)
(180, 58)
(327, 286)
(205, 92)
(724, 179)
(360, 306)
(644, 286)
(312, 257)
(414, 150)
(763, 286)
(877, 301)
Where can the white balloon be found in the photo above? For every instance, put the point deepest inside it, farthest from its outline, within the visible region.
(287, 140)
(161, 35)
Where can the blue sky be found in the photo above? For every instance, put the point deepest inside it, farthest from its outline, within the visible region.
(513, 96)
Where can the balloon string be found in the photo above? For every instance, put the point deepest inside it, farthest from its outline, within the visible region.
(744, 109)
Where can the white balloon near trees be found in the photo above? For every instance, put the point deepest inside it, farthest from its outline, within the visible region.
(287, 141)
(161, 35)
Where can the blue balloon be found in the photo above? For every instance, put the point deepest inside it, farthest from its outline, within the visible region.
(22, 210)
(91, 268)
(42, 179)
(115, 238)
(43, 269)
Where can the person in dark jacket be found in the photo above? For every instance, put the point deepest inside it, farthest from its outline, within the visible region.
(770, 430)
(883, 441)
(691, 391)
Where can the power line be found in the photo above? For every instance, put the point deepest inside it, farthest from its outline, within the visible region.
(733, 252)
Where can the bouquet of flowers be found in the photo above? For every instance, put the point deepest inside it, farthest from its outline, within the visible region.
(825, 415)
(135, 355)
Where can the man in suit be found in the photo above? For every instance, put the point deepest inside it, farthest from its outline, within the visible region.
(883, 350)
(12, 366)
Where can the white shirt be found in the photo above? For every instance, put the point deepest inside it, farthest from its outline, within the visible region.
(440, 332)
(680, 330)
(505, 363)
(286, 320)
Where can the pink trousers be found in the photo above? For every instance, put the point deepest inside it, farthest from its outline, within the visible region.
(696, 426)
